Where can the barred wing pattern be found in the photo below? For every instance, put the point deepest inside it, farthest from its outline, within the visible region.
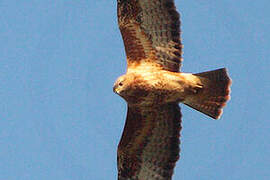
(151, 32)
(149, 147)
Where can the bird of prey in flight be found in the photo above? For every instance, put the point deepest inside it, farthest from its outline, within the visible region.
(153, 86)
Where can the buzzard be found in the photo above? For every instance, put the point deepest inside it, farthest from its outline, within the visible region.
(153, 86)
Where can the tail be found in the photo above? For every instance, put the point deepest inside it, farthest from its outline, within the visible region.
(214, 94)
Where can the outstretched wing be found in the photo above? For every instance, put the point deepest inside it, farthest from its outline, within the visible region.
(149, 147)
(151, 32)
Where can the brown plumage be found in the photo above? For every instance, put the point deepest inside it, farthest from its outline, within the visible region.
(153, 87)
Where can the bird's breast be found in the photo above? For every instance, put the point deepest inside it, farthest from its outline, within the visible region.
(152, 88)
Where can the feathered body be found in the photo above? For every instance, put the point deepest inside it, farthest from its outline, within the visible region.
(153, 87)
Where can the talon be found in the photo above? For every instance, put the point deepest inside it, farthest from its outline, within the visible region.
(197, 88)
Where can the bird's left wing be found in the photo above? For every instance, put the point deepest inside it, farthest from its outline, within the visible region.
(149, 147)
(151, 32)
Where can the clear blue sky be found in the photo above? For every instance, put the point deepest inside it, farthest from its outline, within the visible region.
(59, 118)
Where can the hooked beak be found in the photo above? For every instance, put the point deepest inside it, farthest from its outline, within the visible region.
(115, 89)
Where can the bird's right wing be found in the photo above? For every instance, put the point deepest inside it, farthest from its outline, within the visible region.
(149, 147)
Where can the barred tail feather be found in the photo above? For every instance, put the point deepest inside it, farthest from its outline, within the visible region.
(213, 96)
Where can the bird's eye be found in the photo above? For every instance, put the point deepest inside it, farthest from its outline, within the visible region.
(120, 84)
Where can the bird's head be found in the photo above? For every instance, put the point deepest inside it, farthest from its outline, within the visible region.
(121, 85)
